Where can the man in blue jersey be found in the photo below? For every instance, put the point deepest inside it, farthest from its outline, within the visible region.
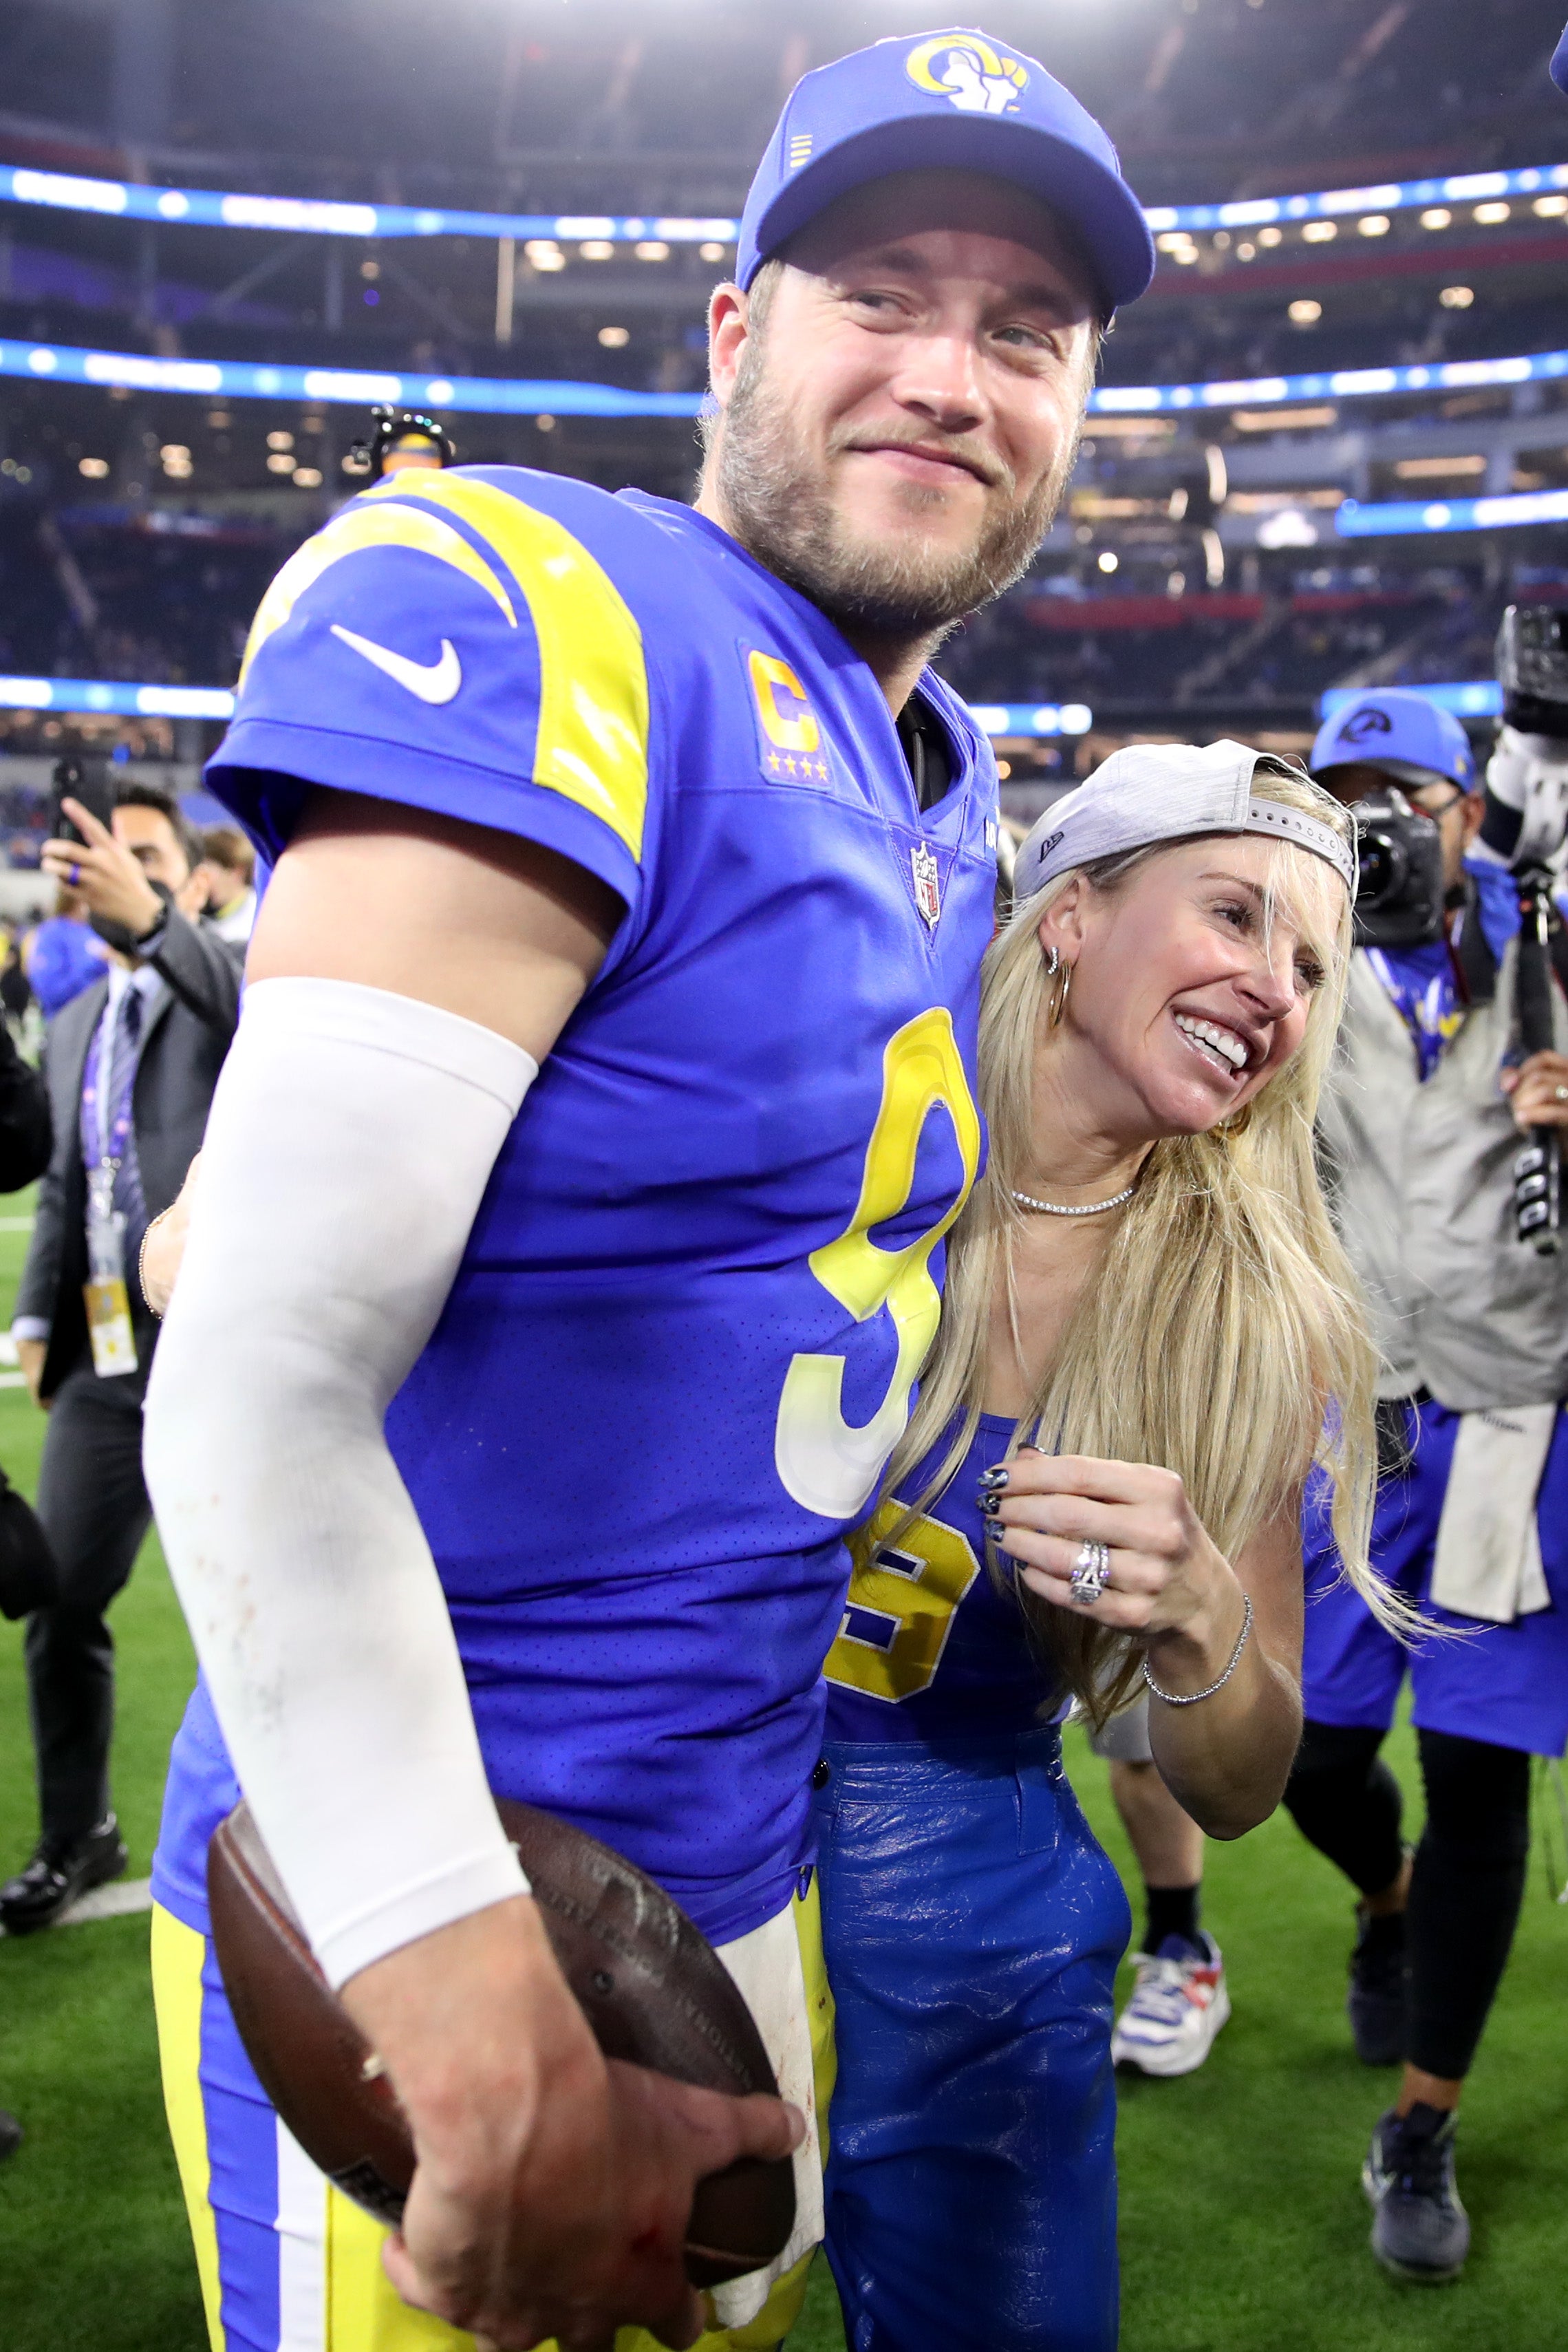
(568, 1228)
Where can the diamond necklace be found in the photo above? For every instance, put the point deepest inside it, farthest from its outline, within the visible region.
(1090, 1209)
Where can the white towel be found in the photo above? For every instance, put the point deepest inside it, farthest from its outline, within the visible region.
(1487, 1562)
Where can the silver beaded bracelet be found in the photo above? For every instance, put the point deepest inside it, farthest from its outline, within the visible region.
(1193, 1697)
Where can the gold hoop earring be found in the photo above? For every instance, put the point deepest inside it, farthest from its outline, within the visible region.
(1060, 1006)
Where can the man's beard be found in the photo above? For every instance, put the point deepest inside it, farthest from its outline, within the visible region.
(778, 505)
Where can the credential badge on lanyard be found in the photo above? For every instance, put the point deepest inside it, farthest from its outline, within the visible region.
(105, 1291)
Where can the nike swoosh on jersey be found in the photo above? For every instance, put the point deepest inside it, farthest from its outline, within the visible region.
(436, 681)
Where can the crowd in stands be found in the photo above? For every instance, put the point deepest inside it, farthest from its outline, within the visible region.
(100, 592)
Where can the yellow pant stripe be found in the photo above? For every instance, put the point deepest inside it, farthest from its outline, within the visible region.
(178, 1953)
(361, 2312)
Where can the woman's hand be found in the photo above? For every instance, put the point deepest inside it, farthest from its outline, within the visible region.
(1166, 1575)
(163, 1248)
(1538, 1091)
(1170, 1588)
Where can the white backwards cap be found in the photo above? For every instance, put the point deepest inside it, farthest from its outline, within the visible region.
(1164, 791)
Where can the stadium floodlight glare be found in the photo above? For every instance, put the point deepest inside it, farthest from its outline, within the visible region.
(1284, 420)
(1427, 469)
(325, 216)
(531, 396)
(1032, 719)
(1477, 698)
(125, 701)
(1400, 518)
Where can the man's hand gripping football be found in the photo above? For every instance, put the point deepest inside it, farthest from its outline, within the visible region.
(553, 2188)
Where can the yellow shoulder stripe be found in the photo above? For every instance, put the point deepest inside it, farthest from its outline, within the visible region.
(362, 527)
(593, 742)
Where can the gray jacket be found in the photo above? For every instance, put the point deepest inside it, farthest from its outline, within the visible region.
(1420, 1180)
(187, 1034)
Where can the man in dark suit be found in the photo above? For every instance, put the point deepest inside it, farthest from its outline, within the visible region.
(132, 1064)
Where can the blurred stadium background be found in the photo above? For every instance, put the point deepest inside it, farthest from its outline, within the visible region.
(1330, 443)
(1329, 446)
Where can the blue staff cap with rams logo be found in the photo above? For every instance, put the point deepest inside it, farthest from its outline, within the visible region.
(1404, 733)
(1559, 63)
(958, 100)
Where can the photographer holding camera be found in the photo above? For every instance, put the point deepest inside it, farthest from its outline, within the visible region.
(1420, 1130)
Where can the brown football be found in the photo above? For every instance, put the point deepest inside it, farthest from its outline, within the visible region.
(652, 1987)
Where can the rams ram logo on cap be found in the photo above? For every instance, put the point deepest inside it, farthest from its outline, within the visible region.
(1363, 724)
(968, 73)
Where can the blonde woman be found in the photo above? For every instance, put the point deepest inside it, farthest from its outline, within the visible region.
(1149, 1334)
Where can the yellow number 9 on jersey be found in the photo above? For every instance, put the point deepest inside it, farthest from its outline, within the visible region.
(825, 1464)
(901, 1604)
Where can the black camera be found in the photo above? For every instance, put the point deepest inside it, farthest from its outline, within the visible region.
(1533, 669)
(1400, 893)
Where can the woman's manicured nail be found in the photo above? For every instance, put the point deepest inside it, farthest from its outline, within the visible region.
(994, 1479)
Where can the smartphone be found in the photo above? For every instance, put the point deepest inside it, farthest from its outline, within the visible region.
(83, 777)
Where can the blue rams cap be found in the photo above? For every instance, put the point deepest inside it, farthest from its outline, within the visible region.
(1404, 733)
(962, 100)
(1559, 63)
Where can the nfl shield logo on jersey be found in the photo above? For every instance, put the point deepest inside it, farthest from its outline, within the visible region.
(928, 882)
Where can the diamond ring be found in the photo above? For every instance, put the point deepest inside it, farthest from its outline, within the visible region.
(1092, 1574)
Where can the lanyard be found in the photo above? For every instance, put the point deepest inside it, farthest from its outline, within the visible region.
(1427, 1002)
(108, 1125)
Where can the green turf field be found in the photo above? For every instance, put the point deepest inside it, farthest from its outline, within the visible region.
(1243, 2227)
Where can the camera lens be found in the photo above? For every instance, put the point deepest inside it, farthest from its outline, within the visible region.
(1383, 863)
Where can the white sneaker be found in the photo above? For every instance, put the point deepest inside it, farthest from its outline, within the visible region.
(1178, 2005)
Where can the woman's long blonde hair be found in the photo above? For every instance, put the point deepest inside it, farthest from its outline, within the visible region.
(1221, 1335)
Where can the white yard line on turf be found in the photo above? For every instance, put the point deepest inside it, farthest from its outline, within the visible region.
(126, 1895)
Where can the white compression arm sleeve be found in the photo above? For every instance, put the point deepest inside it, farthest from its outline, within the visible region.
(351, 1137)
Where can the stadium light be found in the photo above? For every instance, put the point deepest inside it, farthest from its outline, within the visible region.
(529, 396)
(1398, 517)
(1032, 720)
(1488, 192)
(116, 699)
(1479, 698)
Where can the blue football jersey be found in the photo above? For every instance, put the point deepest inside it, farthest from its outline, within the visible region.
(930, 1647)
(682, 1340)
